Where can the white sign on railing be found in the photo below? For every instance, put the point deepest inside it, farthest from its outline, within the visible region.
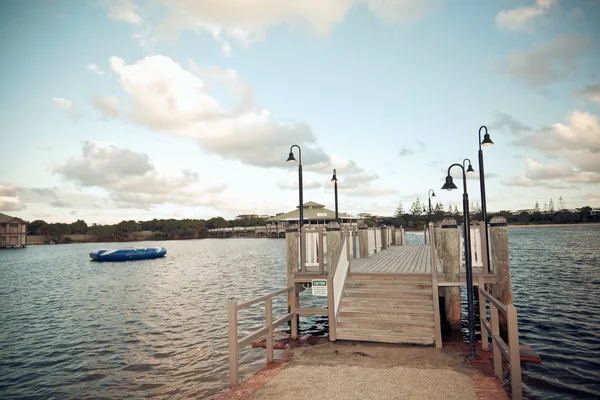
(476, 251)
(319, 287)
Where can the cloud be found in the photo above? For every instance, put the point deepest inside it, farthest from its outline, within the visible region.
(538, 171)
(520, 181)
(229, 21)
(504, 121)
(9, 199)
(286, 185)
(125, 11)
(131, 179)
(62, 103)
(547, 62)
(95, 69)
(592, 92)
(108, 106)
(164, 96)
(523, 18)
(407, 151)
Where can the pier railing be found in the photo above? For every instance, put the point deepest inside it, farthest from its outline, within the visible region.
(337, 281)
(270, 325)
(510, 351)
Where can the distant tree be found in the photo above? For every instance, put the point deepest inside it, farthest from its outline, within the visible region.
(475, 211)
(455, 210)
(545, 208)
(450, 209)
(536, 208)
(561, 204)
(79, 227)
(439, 207)
(551, 207)
(399, 211)
(125, 229)
(416, 209)
(33, 227)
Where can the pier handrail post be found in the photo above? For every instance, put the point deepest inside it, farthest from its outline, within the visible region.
(515, 354)
(269, 323)
(496, 349)
(233, 343)
(383, 237)
(363, 242)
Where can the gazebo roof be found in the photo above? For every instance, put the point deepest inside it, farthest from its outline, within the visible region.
(4, 219)
(312, 211)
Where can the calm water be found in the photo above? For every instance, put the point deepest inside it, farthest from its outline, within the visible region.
(72, 328)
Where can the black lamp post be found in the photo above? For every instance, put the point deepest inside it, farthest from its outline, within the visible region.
(449, 185)
(485, 142)
(429, 196)
(292, 159)
(334, 180)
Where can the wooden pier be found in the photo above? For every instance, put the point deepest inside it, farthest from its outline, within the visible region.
(382, 289)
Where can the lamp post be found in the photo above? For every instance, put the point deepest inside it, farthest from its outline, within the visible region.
(485, 142)
(334, 180)
(449, 185)
(429, 198)
(292, 159)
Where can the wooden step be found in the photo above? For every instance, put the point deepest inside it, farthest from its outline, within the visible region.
(375, 296)
(388, 287)
(385, 283)
(420, 328)
(421, 278)
(376, 336)
(416, 316)
(394, 305)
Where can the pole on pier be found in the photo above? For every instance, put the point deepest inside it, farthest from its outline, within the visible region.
(383, 237)
(502, 290)
(363, 242)
(291, 239)
(449, 243)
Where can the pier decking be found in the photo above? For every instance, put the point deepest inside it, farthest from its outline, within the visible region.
(408, 259)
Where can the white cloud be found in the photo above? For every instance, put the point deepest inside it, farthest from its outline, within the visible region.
(246, 22)
(131, 179)
(521, 182)
(523, 18)
(62, 103)
(125, 11)
(108, 106)
(164, 96)
(539, 171)
(9, 199)
(286, 185)
(547, 62)
(95, 69)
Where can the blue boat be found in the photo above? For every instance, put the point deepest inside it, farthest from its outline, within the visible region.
(132, 253)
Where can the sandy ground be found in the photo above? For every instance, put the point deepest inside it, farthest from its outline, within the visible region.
(355, 370)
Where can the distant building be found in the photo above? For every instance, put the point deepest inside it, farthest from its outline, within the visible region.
(13, 231)
(314, 213)
(252, 216)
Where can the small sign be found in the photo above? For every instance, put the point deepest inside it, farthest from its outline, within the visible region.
(321, 214)
(319, 287)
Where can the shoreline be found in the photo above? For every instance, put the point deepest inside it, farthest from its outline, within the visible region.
(555, 225)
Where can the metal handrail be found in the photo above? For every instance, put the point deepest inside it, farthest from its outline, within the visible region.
(510, 351)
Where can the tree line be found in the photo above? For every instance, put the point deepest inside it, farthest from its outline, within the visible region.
(156, 229)
(418, 214)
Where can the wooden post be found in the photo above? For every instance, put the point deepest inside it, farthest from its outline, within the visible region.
(333, 243)
(383, 237)
(502, 289)
(233, 344)
(269, 322)
(495, 348)
(515, 353)
(450, 254)
(363, 242)
(291, 238)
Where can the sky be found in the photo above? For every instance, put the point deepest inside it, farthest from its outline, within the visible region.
(127, 109)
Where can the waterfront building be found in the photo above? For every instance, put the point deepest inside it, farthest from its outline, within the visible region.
(13, 232)
(314, 214)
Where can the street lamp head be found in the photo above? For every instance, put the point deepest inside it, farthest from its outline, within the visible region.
(470, 168)
(486, 140)
(334, 177)
(432, 194)
(449, 185)
(291, 157)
